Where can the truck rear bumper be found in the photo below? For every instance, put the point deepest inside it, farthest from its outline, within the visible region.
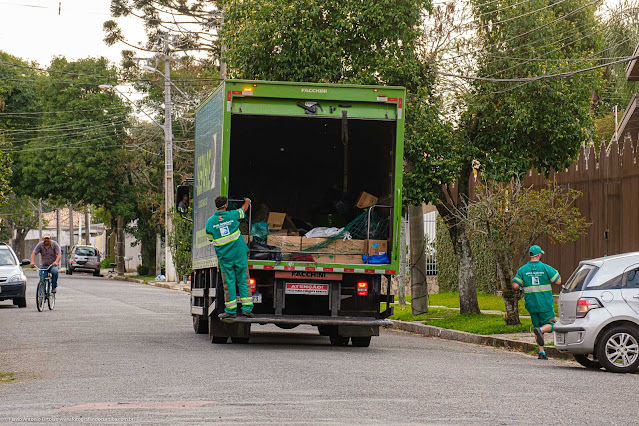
(310, 320)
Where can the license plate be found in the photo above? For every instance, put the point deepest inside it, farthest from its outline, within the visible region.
(307, 288)
(560, 338)
(257, 298)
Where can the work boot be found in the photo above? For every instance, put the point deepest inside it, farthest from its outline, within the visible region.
(539, 335)
(247, 314)
(226, 315)
(542, 356)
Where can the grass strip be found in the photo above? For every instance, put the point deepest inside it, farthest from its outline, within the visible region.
(7, 377)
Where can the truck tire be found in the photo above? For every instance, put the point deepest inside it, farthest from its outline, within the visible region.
(361, 342)
(339, 340)
(200, 325)
(240, 340)
(326, 330)
(219, 339)
(287, 326)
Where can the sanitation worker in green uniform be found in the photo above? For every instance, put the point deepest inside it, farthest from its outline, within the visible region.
(535, 277)
(224, 230)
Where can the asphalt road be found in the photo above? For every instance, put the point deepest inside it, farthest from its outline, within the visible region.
(118, 352)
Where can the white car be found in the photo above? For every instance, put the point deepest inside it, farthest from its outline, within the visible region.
(599, 314)
(13, 282)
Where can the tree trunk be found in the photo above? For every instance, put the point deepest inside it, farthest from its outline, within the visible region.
(158, 254)
(57, 226)
(87, 225)
(402, 263)
(418, 284)
(120, 245)
(20, 244)
(510, 295)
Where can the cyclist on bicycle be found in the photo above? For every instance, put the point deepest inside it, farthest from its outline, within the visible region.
(49, 255)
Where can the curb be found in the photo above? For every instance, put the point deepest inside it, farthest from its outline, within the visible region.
(176, 286)
(462, 336)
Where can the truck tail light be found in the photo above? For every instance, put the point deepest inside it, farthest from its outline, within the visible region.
(362, 288)
(252, 285)
(585, 305)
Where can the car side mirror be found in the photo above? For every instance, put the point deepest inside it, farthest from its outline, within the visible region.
(25, 262)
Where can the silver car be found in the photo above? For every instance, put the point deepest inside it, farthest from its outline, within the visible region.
(84, 258)
(599, 314)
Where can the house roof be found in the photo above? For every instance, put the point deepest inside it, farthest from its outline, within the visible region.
(64, 219)
(632, 69)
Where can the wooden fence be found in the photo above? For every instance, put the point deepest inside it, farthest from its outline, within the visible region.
(609, 181)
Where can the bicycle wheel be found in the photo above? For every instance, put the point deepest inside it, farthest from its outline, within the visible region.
(51, 298)
(40, 296)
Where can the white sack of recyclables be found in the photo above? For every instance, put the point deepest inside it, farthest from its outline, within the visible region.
(327, 232)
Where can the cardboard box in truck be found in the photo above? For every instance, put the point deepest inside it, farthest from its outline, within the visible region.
(338, 246)
(365, 200)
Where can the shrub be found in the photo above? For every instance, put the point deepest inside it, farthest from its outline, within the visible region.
(106, 262)
(143, 270)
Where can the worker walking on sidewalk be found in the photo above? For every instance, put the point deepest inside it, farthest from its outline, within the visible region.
(232, 254)
(535, 277)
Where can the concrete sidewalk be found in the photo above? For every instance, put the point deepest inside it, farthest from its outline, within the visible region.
(170, 285)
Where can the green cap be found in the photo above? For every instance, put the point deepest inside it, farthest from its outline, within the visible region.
(535, 250)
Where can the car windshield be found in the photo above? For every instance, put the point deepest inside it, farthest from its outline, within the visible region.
(6, 258)
(580, 278)
(85, 251)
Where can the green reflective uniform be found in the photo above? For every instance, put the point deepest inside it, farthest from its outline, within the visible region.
(535, 277)
(223, 229)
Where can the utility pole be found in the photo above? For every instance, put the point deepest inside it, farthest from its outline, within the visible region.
(87, 225)
(57, 226)
(168, 165)
(40, 217)
(70, 226)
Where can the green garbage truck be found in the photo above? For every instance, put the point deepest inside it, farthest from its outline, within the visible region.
(322, 164)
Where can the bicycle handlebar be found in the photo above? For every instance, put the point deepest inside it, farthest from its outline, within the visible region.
(41, 268)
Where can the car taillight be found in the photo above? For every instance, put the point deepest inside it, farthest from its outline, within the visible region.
(252, 285)
(362, 288)
(585, 305)
(72, 262)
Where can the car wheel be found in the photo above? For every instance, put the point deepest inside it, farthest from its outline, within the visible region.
(618, 349)
(96, 273)
(21, 302)
(588, 361)
(70, 271)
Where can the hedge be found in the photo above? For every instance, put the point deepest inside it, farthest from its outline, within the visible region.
(485, 269)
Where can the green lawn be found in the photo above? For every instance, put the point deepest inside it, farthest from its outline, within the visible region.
(471, 323)
(142, 277)
(486, 302)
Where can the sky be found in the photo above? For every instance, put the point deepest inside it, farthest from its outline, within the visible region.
(37, 30)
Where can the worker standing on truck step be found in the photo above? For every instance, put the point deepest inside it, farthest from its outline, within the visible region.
(232, 254)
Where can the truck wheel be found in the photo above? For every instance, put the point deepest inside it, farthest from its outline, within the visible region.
(588, 361)
(326, 330)
(339, 340)
(200, 325)
(219, 339)
(618, 349)
(361, 342)
(241, 340)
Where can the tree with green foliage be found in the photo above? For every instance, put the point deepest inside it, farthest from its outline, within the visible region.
(513, 217)
(505, 127)
(19, 215)
(180, 241)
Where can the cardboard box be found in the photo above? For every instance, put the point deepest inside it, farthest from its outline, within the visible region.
(336, 246)
(365, 200)
(351, 259)
(376, 247)
(285, 242)
(279, 221)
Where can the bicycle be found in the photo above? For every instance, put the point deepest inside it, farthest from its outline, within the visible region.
(44, 290)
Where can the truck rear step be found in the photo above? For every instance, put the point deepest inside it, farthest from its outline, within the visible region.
(310, 320)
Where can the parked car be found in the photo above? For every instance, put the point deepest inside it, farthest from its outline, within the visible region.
(599, 314)
(13, 283)
(84, 258)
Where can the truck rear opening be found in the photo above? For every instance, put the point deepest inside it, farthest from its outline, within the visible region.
(313, 169)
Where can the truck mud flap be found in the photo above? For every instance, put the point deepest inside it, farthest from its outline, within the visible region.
(298, 319)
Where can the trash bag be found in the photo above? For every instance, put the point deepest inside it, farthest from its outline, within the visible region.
(261, 251)
(377, 259)
(259, 231)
